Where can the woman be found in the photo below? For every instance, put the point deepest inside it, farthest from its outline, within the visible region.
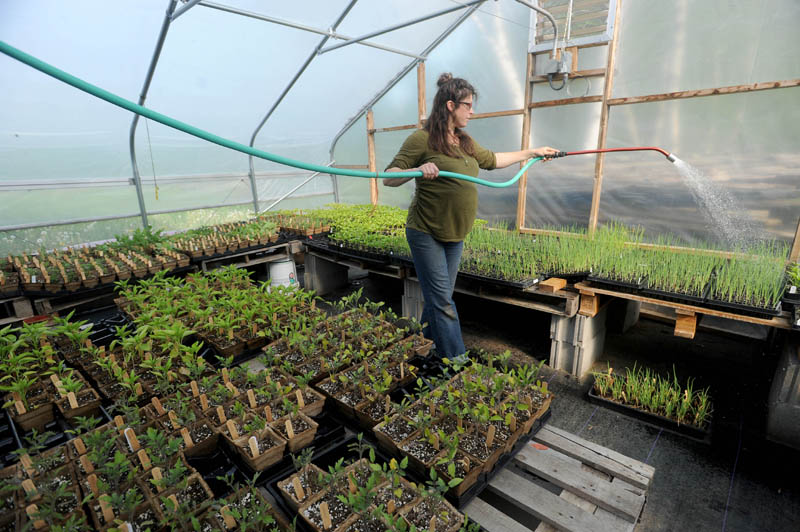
(443, 209)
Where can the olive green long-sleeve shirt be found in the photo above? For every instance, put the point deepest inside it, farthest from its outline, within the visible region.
(444, 207)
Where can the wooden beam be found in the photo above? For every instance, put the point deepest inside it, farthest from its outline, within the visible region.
(591, 73)
(352, 166)
(522, 187)
(565, 101)
(732, 89)
(601, 137)
(793, 254)
(779, 322)
(495, 114)
(393, 128)
(421, 108)
(373, 182)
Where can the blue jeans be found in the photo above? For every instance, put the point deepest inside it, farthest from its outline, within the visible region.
(437, 267)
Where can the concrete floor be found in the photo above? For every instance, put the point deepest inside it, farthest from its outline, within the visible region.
(739, 482)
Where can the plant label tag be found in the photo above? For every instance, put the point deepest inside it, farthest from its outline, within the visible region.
(118, 421)
(173, 417)
(513, 424)
(108, 513)
(432, 525)
(351, 484)
(92, 480)
(268, 413)
(175, 504)
(138, 389)
(88, 468)
(79, 446)
(793, 289)
(390, 507)
(32, 512)
(289, 429)
(490, 435)
(195, 389)
(253, 443)
(221, 415)
(232, 389)
(133, 441)
(227, 518)
(232, 429)
(466, 463)
(27, 463)
(187, 438)
(156, 474)
(300, 402)
(29, 487)
(73, 401)
(226, 378)
(144, 459)
(20, 407)
(251, 397)
(326, 516)
(204, 402)
(157, 405)
(299, 492)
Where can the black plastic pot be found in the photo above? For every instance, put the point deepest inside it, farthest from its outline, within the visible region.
(654, 420)
(518, 285)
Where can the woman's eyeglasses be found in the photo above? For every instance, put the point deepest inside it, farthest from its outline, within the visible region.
(468, 104)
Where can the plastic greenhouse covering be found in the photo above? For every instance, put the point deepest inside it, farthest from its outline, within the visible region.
(64, 154)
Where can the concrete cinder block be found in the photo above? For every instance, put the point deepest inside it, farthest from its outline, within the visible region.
(324, 276)
(412, 299)
(577, 342)
(578, 329)
(783, 416)
(622, 315)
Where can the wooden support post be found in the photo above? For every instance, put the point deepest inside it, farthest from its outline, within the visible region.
(373, 182)
(422, 111)
(601, 138)
(685, 323)
(522, 188)
(590, 304)
(795, 252)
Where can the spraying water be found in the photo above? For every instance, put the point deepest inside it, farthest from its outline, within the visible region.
(722, 212)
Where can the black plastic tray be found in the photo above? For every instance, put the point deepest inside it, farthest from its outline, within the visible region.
(674, 297)
(519, 285)
(654, 420)
(747, 310)
(619, 286)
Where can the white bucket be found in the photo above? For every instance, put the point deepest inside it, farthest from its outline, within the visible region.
(283, 273)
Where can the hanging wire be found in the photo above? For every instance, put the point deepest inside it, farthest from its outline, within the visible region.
(152, 162)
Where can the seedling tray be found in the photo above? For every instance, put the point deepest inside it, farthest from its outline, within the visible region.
(571, 278)
(747, 310)
(518, 285)
(461, 501)
(654, 420)
(619, 286)
(675, 297)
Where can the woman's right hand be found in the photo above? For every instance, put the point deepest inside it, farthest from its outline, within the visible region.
(429, 171)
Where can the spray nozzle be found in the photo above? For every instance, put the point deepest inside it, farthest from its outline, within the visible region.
(556, 155)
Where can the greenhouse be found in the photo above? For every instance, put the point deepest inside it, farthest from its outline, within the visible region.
(393, 265)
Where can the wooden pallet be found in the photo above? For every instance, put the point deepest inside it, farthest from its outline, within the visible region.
(600, 490)
(14, 309)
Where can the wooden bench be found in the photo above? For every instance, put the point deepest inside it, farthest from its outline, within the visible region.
(564, 482)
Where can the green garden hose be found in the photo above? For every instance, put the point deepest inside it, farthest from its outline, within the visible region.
(210, 137)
